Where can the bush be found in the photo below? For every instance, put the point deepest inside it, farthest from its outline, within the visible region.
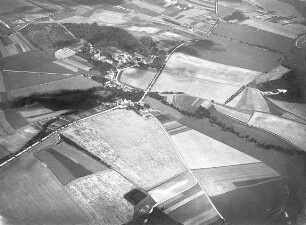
(237, 15)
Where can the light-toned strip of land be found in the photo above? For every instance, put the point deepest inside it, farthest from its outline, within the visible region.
(101, 196)
(238, 115)
(274, 74)
(137, 148)
(2, 86)
(220, 180)
(180, 63)
(291, 30)
(289, 130)
(138, 78)
(200, 151)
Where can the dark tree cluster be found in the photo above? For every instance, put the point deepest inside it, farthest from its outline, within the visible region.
(237, 15)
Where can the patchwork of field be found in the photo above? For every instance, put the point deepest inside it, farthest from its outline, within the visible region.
(224, 51)
(250, 99)
(255, 37)
(273, 74)
(136, 148)
(137, 78)
(184, 200)
(31, 193)
(200, 151)
(240, 115)
(184, 102)
(13, 45)
(101, 196)
(291, 131)
(15, 140)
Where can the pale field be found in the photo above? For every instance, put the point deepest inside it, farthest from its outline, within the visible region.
(200, 88)
(274, 74)
(297, 109)
(291, 30)
(200, 151)
(172, 187)
(76, 63)
(31, 194)
(243, 117)
(66, 65)
(290, 116)
(149, 6)
(221, 180)
(250, 99)
(138, 149)
(292, 131)
(149, 30)
(101, 195)
(137, 77)
(17, 139)
(74, 83)
(4, 123)
(180, 63)
(63, 53)
(2, 86)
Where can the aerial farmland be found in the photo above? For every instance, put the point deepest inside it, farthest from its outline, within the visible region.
(160, 112)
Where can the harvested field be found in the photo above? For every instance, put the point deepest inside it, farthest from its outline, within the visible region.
(3, 152)
(296, 109)
(250, 99)
(210, 71)
(138, 78)
(14, 118)
(220, 180)
(290, 116)
(287, 129)
(187, 103)
(102, 196)
(221, 50)
(79, 157)
(30, 192)
(219, 92)
(157, 105)
(273, 74)
(2, 85)
(74, 83)
(17, 139)
(200, 151)
(6, 127)
(138, 149)
(291, 30)
(255, 37)
(18, 80)
(239, 115)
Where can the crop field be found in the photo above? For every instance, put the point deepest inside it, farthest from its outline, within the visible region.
(174, 127)
(240, 115)
(74, 83)
(3, 152)
(201, 151)
(102, 196)
(138, 78)
(250, 99)
(17, 139)
(14, 118)
(220, 180)
(6, 127)
(297, 109)
(221, 50)
(219, 92)
(253, 36)
(30, 192)
(206, 70)
(137, 148)
(21, 61)
(2, 85)
(184, 102)
(290, 31)
(157, 105)
(287, 129)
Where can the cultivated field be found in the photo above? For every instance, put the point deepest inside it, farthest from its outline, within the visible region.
(184, 102)
(200, 151)
(221, 50)
(250, 99)
(297, 109)
(273, 74)
(182, 64)
(32, 194)
(137, 78)
(102, 196)
(74, 83)
(6, 127)
(138, 149)
(287, 129)
(219, 180)
(240, 115)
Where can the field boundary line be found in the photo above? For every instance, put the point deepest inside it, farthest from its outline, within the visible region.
(20, 71)
(215, 167)
(179, 153)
